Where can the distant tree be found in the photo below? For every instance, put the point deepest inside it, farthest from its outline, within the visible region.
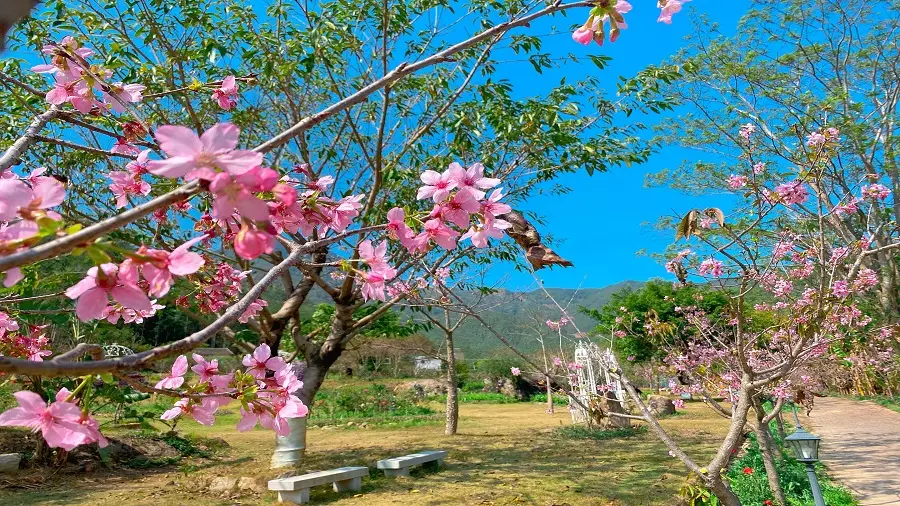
(654, 327)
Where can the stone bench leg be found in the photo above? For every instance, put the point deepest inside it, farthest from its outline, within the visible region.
(297, 496)
(351, 485)
(434, 464)
(403, 471)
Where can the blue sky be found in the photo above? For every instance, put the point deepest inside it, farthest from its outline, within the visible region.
(602, 223)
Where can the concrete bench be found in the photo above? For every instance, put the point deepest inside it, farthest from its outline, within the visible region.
(399, 466)
(296, 488)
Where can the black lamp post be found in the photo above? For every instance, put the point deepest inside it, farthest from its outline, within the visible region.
(806, 448)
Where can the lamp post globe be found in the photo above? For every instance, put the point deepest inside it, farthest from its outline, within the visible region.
(804, 445)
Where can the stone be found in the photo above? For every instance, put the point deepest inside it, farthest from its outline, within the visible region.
(222, 484)
(251, 484)
(660, 405)
(9, 462)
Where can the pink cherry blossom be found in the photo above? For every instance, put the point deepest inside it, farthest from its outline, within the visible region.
(792, 193)
(195, 157)
(372, 287)
(747, 131)
(437, 185)
(472, 179)
(437, 231)
(159, 266)
(93, 292)
(234, 194)
(669, 9)
(515, 371)
(480, 234)
(14, 195)
(251, 242)
(203, 368)
(375, 257)
(226, 94)
(262, 360)
(130, 182)
(458, 208)
(122, 146)
(736, 182)
(583, 35)
(397, 227)
(492, 207)
(252, 310)
(120, 94)
(175, 378)
(712, 267)
(876, 192)
(58, 422)
(816, 139)
(203, 412)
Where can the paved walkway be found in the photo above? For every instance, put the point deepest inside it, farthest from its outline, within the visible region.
(860, 446)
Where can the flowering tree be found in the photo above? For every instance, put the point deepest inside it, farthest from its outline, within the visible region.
(343, 197)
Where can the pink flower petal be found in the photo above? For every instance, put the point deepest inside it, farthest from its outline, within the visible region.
(178, 141)
(131, 297)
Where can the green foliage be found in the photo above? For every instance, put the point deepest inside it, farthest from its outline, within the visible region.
(355, 402)
(557, 399)
(498, 367)
(753, 487)
(654, 305)
(583, 432)
(480, 398)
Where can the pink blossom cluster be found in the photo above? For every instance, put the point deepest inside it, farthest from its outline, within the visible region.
(130, 182)
(793, 192)
(31, 346)
(121, 282)
(226, 95)
(75, 84)
(23, 202)
(219, 289)
(736, 182)
(558, 324)
(747, 131)
(612, 13)
(711, 267)
(61, 423)
(876, 192)
(818, 139)
(266, 389)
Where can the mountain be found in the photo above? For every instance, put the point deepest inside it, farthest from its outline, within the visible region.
(515, 315)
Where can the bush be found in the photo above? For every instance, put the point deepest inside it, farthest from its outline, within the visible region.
(557, 399)
(376, 400)
(479, 398)
(473, 386)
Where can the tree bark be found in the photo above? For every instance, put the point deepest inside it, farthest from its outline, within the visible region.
(767, 449)
(452, 392)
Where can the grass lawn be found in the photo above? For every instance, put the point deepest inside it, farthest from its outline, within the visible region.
(505, 454)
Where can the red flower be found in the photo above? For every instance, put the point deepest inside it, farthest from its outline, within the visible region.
(748, 470)
(767, 502)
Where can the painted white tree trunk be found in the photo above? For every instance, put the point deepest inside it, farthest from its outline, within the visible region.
(289, 450)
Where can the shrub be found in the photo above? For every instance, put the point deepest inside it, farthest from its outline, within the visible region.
(557, 399)
(375, 400)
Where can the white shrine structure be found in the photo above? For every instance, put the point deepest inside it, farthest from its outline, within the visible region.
(591, 379)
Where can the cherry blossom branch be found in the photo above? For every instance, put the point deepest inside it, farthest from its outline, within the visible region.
(138, 361)
(405, 69)
(212, 84)
(79, 147)
(84, 236)
(14, 152)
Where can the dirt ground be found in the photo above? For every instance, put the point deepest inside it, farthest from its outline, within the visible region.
(505, 454)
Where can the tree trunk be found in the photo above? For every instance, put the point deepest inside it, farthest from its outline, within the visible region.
(289, 450)
(452, 392)
(723, 493)
(549, 395)
(767, 449)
